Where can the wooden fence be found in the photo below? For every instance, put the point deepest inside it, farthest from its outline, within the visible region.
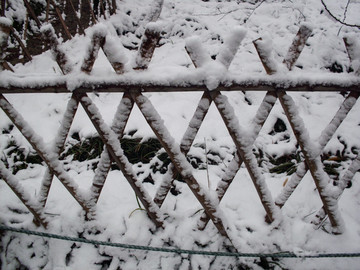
(133, 95)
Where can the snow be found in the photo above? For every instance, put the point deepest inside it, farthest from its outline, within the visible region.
(205, 29)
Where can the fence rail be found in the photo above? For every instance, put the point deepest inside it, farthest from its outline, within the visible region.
(276, 88)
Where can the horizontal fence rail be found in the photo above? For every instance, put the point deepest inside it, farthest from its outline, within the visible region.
(274, 84)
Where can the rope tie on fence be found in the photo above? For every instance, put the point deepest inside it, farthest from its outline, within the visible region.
(285, 254)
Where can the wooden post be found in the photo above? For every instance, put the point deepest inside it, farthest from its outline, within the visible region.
(297, 45)
(49, 35)
(186, 142)
(324, 138)
(262, 114)
(145, 52)
(48, 157)
(97, 41)
(353, 48)
(118, 126)
(178, 159)
(114, 148)
(58, 147)
(243, 146)
(264, 52)
(313, 161)
(113, 51)
(24, 197)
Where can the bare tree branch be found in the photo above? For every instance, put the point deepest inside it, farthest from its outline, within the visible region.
(337, 19)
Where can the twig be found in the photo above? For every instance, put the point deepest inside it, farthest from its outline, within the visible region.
(2, 8)
(337, 19)
(58, 13)
(92, 12)
(345, 12)
(22, 45)
(207, 164)
(26, 24)
(227, 13)
(76, 17)
(114, 6)
(252, 12)
(102, 9)
(32, 13)
(47, 10)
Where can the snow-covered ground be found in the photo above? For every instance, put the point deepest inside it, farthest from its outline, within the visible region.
(277, 22)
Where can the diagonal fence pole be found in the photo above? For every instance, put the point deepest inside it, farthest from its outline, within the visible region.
(118, 126)
(147, 46)
(243, 146)
(313, 161)
(179, 160)
(61, 59)
(34, 207)
(97, 41)
(186, 142)
(113, 146)
(264, 108)
(230, 172)
(58, 147)
(49, 157)
(324, 138)
(343, 183)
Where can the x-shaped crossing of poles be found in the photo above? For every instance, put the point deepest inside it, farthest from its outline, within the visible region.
(242, 138)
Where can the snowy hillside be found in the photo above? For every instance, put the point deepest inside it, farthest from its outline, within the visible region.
(120, 218)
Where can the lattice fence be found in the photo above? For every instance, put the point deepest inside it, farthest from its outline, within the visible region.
(242, 137)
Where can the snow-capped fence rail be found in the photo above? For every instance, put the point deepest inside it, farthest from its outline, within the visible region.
(212, 84)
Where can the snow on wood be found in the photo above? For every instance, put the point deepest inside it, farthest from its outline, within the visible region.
(58, 147)
(196, 51)
(353, 49)
(264, 49)
(231, 45)
(185, 144)
(263, 112)
(60, 57)
(4, 35)
(118, 126)
(97, 41)
(324, 138)
(49, 157)
(113, 146)
(310, 152)
(179, 161)
(155, 12)
(149, 41)
(115, 53)
(243, 144)
(297, 45)
(22, 194)
(342, 184)
(261, 115)
(195, 122)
